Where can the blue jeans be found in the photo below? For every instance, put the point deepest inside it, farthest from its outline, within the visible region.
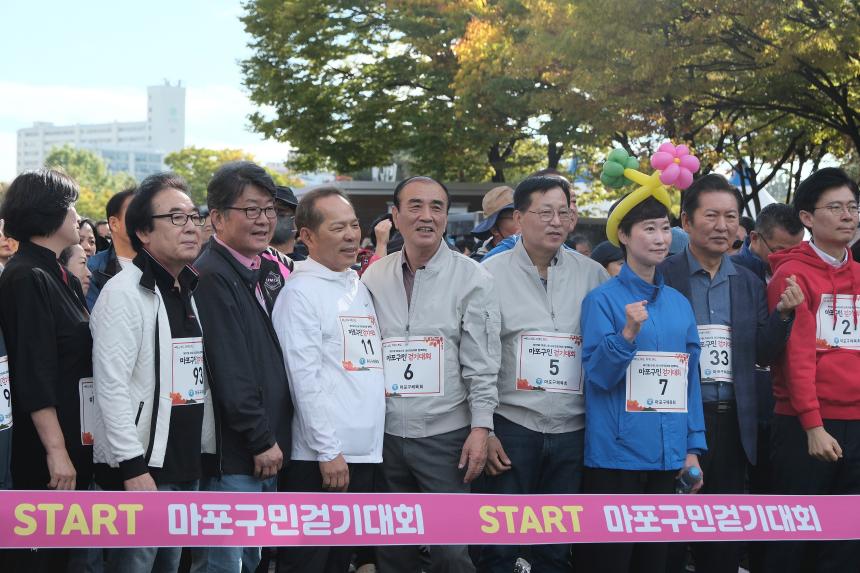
(540, 463)
(150, 559)
(236, 559)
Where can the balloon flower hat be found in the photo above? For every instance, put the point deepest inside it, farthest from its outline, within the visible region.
(673, 166)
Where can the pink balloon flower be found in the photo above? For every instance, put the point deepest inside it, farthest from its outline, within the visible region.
(676, 165)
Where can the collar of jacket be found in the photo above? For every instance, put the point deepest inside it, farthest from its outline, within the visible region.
(639, 287)
(43, 256)
(248, 275)
(436, 263)
(146, 263)
(522, 258)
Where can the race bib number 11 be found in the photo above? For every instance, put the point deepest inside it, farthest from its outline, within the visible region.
(361, 344)
(414, 366)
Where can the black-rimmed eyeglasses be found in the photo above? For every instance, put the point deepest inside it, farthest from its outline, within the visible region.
(180, 219)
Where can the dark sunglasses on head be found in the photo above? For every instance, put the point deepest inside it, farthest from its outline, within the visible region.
(737, 244)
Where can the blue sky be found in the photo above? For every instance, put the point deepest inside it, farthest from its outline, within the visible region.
(90, 61)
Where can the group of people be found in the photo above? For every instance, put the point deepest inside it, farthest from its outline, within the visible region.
(222, 365)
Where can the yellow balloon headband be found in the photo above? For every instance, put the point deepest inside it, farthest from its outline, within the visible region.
(673, 166)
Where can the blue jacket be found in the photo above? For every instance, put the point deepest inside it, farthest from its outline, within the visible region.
(104, 265)
(757, 338)
(614, 438)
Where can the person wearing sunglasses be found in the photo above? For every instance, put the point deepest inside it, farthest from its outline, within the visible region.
(237, 291)
(816, 427)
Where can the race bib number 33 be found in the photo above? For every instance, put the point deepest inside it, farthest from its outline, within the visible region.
(657, 382)
(550, 361)
(840, 332)
(188, 372)
(414, 366)
(715, 361)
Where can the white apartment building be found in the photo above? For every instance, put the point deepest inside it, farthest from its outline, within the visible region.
(137, 148)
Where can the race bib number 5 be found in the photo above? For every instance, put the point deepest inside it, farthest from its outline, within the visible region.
(361, 344)
(188, 372)
(414, 366)
(550, 361)
(835, 328)
(657, 382)
(5, 395)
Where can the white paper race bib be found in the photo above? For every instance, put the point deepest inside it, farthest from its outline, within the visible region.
(188, 372)
(657, 382)
(414, 366)
(715, 361)
(844, 333)
(549, 361)
(87, 397)
(362, 347)
(5, 395)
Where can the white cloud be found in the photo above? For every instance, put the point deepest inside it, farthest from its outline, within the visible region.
(215, 115)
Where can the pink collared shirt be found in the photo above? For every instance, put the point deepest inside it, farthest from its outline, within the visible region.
(251, 264)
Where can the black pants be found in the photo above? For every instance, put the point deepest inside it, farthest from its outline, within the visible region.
(798, 473)
(306, 477)
(623, 557)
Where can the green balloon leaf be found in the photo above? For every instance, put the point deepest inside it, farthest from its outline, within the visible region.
(613, 168)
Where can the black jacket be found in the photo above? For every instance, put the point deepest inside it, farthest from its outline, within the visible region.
(46, 326)
(251, 393)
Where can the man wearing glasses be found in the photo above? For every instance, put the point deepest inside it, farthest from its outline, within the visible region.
(777, 228)
(816, 429)
(249, 382)
(736, 333)
(151, 416)
(538, 446)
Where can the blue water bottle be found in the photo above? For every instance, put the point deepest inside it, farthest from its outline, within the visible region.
(688, 480)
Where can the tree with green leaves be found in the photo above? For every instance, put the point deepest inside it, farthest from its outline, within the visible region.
(89, 170)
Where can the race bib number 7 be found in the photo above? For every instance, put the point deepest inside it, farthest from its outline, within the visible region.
(657, 382)
(550, 361)
(835, 328)
(414, 366)
(5, 395)
(188, 372)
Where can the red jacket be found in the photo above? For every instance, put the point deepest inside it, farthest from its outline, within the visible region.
(818, 375)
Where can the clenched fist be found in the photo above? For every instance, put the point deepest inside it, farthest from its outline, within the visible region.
(636, 315)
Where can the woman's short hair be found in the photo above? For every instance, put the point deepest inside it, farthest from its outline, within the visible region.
(36, 203)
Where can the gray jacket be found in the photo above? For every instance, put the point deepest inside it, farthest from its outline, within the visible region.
(452, 297)
(526, 306)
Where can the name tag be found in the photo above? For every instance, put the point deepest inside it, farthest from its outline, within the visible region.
(414, 366)
(839, 333)
(715, 361)
(361, 344)
(550, 361)
(188, 372)
(657, 382)
(87, 397)
(5, 395)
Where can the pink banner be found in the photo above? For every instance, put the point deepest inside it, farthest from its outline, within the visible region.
(163, 519)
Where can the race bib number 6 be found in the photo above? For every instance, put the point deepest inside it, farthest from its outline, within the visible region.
(550, 361)
(657, 382)
(414, 366)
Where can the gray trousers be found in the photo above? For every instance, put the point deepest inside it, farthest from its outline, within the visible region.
(424, 465)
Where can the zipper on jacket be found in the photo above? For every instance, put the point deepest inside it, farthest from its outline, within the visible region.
(139, 410)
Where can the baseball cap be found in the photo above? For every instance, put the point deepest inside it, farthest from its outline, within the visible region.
(285, 195)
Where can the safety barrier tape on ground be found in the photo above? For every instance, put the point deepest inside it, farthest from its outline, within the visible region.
(45, 519)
